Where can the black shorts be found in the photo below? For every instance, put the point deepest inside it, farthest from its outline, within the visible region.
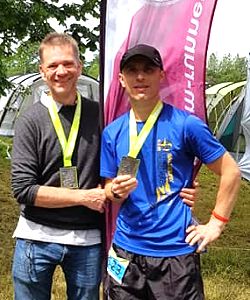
(153, 278)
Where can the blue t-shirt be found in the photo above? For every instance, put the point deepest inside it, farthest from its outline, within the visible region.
(153, 220)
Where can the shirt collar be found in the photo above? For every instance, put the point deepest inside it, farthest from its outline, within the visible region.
(45, 100)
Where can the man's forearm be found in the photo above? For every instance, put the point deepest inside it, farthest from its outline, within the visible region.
(57, 197)
(230, 179)
(227, 194)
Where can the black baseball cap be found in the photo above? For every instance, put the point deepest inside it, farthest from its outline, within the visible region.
(144, 50)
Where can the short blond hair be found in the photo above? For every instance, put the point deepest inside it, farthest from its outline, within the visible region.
(58, 39)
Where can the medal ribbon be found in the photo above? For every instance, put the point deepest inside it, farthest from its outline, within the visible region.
(67, 145)
(137, 141)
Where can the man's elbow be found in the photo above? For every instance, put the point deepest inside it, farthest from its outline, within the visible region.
(233, 174)
(25, 195)
(237, 174)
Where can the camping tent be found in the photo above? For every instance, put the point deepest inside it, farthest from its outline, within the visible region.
(244, 163)
(27, 90)
(229, 118)
(218, 99)
(212, 92)
(230, 131)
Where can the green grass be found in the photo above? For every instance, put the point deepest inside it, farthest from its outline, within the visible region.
(225, 267)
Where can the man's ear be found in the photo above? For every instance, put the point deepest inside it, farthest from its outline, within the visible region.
(121, 79)
(42, 72)
(163, 74)
(80, 68)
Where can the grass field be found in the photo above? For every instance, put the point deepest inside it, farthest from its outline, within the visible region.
(226, 266)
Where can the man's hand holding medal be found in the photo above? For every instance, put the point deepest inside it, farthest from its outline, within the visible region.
(122, 186)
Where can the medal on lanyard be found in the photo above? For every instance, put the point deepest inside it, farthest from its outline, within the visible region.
(68, 173)
(129, 164)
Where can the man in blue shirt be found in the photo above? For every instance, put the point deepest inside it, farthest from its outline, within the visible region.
(147, 157)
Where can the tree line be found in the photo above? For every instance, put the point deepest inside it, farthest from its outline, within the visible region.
(23, 24)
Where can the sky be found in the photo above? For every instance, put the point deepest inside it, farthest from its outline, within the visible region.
(229, 28)
(229, 32)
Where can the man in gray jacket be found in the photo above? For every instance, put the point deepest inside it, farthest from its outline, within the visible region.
(55, 178)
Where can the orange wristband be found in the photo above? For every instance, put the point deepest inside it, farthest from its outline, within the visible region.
(218, 217)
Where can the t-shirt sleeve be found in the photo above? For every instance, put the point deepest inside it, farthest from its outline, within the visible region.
(201, 141)
(108, 156)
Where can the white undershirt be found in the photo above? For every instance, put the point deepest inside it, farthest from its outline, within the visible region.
(32, 231)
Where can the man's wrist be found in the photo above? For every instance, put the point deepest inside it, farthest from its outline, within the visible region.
(219, 224)
(219, 217)
(115, 195)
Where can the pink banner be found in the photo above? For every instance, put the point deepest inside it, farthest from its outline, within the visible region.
(180, 30)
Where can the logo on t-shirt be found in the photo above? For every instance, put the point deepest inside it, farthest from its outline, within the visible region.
(165, 170)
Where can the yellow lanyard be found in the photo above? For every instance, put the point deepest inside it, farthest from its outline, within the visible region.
(136, 141)
(67, 145)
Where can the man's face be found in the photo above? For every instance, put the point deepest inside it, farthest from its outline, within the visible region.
(60, 69)
(141, 79)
